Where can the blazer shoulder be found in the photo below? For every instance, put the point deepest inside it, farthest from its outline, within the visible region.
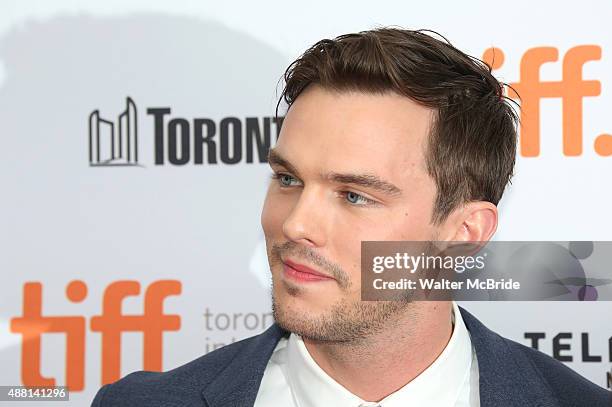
(569, 387)
(177, 387)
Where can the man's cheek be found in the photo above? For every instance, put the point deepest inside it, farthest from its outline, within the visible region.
(270, 218)
(276, 210)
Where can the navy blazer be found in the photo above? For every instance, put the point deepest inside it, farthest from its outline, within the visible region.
(511, 374)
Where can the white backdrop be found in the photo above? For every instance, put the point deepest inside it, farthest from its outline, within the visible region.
(215, 66)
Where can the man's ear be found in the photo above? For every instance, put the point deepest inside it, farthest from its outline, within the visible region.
(472, 222)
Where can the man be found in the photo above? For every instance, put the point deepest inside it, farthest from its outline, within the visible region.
(389, 135)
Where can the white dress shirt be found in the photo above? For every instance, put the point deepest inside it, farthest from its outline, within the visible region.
(293, 379)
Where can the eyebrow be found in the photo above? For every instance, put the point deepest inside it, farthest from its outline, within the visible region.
(365, 180)
(274, 158)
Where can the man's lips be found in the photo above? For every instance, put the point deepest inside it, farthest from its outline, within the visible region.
(303, 273)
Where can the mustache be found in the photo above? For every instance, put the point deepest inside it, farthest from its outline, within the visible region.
(298, 251)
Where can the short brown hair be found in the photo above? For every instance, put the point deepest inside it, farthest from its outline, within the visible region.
(471, 149)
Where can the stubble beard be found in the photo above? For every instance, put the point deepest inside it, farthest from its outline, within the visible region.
(345, 321)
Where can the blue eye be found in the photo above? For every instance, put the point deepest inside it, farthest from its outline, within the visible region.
(356, 199)
(285, 180)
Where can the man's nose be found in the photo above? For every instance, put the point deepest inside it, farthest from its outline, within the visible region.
(306, 222)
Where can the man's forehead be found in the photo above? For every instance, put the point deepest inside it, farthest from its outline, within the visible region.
(380, 135)
(354, 121)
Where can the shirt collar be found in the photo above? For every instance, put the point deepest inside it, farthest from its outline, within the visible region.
(438, 385)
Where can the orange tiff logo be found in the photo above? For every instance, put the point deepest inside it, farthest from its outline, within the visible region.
(111, 323)
(572, 88)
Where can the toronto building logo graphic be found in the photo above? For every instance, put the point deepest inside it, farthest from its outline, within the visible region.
(114, 143)
(180, 141)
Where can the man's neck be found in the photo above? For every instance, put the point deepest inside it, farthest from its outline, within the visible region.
(386, 361)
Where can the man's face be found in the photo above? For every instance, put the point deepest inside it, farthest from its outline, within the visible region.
(350, 167)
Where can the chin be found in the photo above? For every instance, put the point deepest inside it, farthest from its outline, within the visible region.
(297, 323)
(295, 314)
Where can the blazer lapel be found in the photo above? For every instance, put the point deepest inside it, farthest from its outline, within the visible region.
(237, 385)
(507, 377)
